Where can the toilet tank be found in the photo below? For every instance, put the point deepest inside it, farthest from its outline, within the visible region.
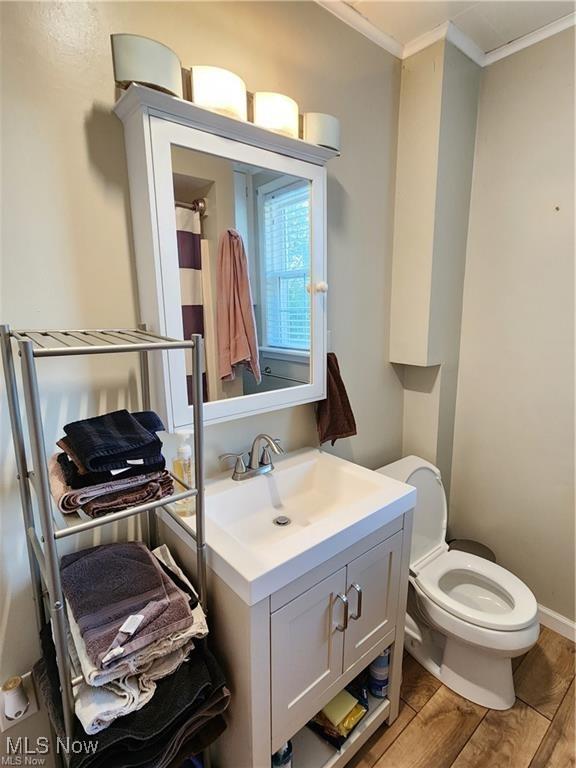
(430, 512)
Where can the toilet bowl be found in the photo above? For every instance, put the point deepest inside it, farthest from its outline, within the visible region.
(467, 617)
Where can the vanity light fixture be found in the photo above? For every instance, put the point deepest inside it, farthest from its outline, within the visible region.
(219, 90)
(141, 60)
(322, 129)
(276, 112)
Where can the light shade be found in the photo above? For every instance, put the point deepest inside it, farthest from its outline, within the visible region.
(219, 90)
(276, 112)
(322, 129)
(138, 59)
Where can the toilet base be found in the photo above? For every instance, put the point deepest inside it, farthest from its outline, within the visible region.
(481, 677)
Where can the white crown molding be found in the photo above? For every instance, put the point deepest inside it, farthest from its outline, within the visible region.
(355, 20)
(425, 40)
(447, 31)
(534, 37)
(465, 44)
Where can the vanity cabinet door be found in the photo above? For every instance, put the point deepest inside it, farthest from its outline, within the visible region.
(372, 590)
(306, 649)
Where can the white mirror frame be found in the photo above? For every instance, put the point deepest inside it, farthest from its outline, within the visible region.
(153, 123)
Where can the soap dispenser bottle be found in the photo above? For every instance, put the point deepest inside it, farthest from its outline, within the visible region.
(182, 467)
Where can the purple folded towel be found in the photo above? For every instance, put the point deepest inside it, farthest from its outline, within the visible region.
(105, 585)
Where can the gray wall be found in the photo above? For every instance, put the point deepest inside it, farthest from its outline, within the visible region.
(66, 240)
(513, 461)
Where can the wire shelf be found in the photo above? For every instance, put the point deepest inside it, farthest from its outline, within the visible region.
(58, 343)
(44, 557)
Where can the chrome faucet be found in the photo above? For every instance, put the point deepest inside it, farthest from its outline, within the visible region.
(258, 463)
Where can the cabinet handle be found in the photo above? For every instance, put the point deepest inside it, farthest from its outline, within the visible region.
(343, 627)
(358, 614)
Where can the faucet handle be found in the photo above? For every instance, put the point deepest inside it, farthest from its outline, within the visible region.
(266, 457)
(239, 466)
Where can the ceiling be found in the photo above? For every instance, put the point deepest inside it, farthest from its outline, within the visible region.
(490, 24)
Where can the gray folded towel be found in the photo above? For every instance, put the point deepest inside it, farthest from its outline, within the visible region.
(106, 585)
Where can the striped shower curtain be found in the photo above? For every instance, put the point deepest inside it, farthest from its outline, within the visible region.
(189, 234)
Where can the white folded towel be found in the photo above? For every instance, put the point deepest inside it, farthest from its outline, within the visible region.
(129, 684)
(137, 662)
(97, 707)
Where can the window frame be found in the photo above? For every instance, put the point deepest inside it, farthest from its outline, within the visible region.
(281, 353)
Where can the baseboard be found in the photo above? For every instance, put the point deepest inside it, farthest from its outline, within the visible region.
(557, 622)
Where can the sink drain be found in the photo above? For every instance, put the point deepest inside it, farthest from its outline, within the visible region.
(282, 520)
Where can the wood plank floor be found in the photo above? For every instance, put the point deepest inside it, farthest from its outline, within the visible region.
(436, 728)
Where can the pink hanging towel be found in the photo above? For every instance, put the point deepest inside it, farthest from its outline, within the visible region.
(237, 338)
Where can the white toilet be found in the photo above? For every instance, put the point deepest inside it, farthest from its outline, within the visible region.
(467, 617)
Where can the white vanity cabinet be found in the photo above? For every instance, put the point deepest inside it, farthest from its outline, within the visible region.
(325, 632)
(377, 574)
(307, 648)
(288, 655)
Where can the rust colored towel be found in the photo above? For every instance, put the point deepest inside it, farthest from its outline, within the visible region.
(156, 488)
(237, 340)
(334, 417)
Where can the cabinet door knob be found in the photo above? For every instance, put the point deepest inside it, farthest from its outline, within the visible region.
(344, 626)
(358, 589)
(319, 287)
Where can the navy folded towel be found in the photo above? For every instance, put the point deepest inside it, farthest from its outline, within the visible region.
(111, 441)
(76, 480)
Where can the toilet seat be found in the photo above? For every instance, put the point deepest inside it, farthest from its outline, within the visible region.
(477, 591)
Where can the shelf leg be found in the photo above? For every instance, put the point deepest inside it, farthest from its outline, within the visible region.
(22, 468)
(198, 404)
(57, 613)
(146, 400)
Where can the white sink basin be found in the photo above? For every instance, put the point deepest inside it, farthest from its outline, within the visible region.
(330, 503)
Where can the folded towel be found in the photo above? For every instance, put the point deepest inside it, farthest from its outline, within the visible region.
(141, 660)
(97, 707)
(196, 733)
(195, 691)
(113, 440)
(173, 570)
(71, 500)
(77, 477)
(121, 599)
(117, 501)
(334, 417)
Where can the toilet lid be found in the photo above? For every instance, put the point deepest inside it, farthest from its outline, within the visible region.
(430, 512)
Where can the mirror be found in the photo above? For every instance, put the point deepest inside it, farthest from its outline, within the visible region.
(243, 237)
(195, 177)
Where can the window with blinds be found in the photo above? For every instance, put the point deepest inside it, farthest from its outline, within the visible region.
(285, 266)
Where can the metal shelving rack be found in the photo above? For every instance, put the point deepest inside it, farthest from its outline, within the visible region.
(43, 552)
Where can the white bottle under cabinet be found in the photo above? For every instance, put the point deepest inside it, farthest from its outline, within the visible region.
(288, 655)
